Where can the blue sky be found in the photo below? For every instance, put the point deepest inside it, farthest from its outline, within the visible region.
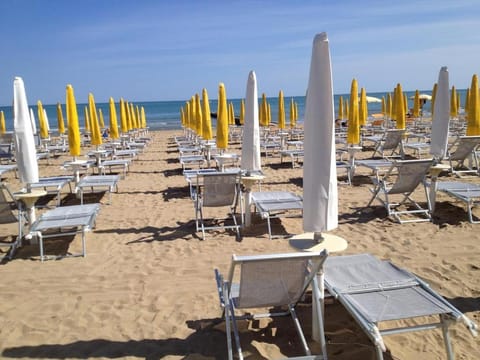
(169, 50)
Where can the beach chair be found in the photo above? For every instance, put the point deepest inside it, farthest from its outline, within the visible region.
(378, 166)
(53, 185)
(391, 140)
(277, 280)
(7, 154)
(108, 183)
(10, 214)
(465, 192)
(214, 190)
(276, 204)
(403, 177)
(64, 221)
(375, 292)
(462, 150)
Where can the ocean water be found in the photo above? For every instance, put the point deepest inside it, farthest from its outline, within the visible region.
(165, 115)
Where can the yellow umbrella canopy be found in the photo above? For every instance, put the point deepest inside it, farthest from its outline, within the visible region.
(473, 124)
(281, 110)
(389, 106)
(453, 103)
(345, 110)
(95, 128)
(405, 103)
(264, 111)
(61, 124)
(123, 117)
(182, 117)
(222, 118)
(3, 128)
(296, 112)
(353, 126)
(42, 120)
(143, 117)
(363, 109)
(101, 120)
(206, 117)
(269, 114)
(198, 115)
(87, 118)
(292, 113)
(400, 108)
(416, 104)
(72, 121)
(384, 107)
(133, 119)
(242, 112)
(231, 114)
(467, 101)
(340, 108)
(113, 119)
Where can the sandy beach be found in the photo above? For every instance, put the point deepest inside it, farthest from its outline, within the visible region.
(146, 288)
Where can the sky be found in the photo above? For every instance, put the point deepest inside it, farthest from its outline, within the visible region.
(155, 50)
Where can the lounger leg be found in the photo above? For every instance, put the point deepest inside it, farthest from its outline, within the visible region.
(269, 227)
(84, 246)
(299, 331)
(227, 323)
(446, 337)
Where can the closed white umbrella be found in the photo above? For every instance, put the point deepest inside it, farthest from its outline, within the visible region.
(251, 129)
(320, 198)
(26, 154)
(32, 119)
(439, 135)
(251, 142)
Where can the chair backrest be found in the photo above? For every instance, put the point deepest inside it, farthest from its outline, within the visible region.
(410, 174)
(463, 147)
(7, 215)
(392, 139)
(275, 280)
(6, 151)
(219, 189)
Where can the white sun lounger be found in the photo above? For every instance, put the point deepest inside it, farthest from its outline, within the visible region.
(465, 192)
(107, 183)
(53, 185)
(275, 204)
(375, 291)
(65, 220)
(123, 164)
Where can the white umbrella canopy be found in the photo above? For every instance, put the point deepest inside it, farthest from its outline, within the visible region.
(441, 117)
(26, 154)
(320, 197)
(251, 129)
(373, 99)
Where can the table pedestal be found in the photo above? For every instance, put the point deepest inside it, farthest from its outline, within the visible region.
(435, 171)
(248, 182)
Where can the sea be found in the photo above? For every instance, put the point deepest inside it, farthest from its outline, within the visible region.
(165, 115)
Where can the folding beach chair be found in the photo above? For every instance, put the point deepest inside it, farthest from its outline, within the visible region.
(466, 192)
(277, 280)
(10, 214)
(215, 190)
(403, 177)
(63, 221)
(463, 150)
(391, 140)
(276, 204)
(375, 291)
(107, 183)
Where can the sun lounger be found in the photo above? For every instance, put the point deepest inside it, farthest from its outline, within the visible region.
(188, 161)
(63, 221)
(466, 192)
(107, 183)
(462, 152)
(7, 168)
(123, 164)
(276, 281)
(375, 291)
(53, 185)
(295, 155)
(276, 204)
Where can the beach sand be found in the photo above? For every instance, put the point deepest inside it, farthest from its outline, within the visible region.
(146, 288)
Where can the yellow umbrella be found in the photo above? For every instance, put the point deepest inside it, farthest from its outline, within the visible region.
(101, 120)
(182, 117)
(198, 115)
(87, 119)
(113, 119)
(467, 98)
(434, 94)
(416, 104)
(281, 110)
(242, 112)
(3, 128)
(353, 128)
(405, 103)
(42, 121)
(292, 113)
(345, 110)
(363, 109)
(384, 107)
(400, 108)
(340, 108)
(95, 128)
(453, 103)
(143, 117)
(61, 125)
(269, 114)
(133, 119)
(206, 117)
(264, 111)
(123, 118)
(187, 115)
(72, 121)
(296, 112)
(389, 105)
(473, 124)
(231, 114)
(222, 118)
